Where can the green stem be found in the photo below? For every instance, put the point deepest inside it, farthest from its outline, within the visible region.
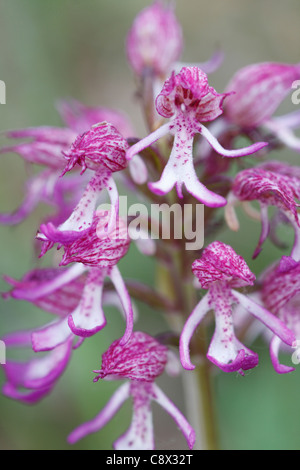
(201, 397)
(197, 385)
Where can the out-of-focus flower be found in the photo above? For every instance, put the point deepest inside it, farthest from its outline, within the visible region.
(220, 270)
(30, 381)
(187, 99)
(271, 184)
(81, 118)
(45, 148)
(141, 361)
(58, 291)
(154, 42)
(280, 294)
(259, 90)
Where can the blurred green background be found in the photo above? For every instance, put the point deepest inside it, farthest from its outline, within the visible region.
(53, 49)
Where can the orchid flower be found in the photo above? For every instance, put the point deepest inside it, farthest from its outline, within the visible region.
(141, 360)
(32, 380)
(220, 270)
(155, 42)
(188, 100)
(271, 184)
(44, 149)
(259, 90)
(98, 254)
(80, 118)
(102, 150)
(58, 291)
(280, 293)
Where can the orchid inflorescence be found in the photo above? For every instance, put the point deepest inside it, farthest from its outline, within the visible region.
(187, 157)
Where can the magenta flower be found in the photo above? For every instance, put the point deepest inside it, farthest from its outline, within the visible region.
(98, 254)
(31, 381)
(102, 150)
(259, 90)
(219, 270)
(272, 184)
(81, 118)
(141, 361)
(58, 291)
(154, 41)
(45, 149)
(187, 99)
(281, 295)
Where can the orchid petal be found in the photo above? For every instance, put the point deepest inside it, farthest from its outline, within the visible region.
(40, 153)
(265, 229)
(290, 120)
(82, 216)
(180, 171)
(110, 409)
(189, 329)
(24, 291)
(114, 207)
(39, 372)
(209, 66)
(146, 141)
(295, 252)
(80, 118)
(88, 317)
(122, 291)
(51, 336)
(225, 350)
(284, 134)
(268, 319)
(259, 90)
(138, 170)
(229, 153)
(17, 339)
(27, 397)
(154, 41)
(139, 436)
(178, 417)
(34, 193)
(274, 352)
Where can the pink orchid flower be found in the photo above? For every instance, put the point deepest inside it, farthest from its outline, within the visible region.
(259, 90)
(221, 271)
(141, 360)
(102, 150)
(271, 184)
(58, 291)
(280, 294)
(188, 100)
